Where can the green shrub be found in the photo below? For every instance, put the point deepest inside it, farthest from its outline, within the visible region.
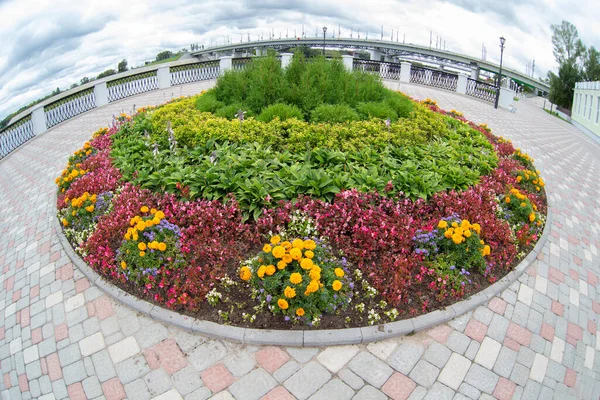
(281, 111)
(372, 109)
(334, 113)
(208, 102)
(400, 103)
(229, 111)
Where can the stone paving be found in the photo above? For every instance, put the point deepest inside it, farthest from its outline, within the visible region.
(62, 338)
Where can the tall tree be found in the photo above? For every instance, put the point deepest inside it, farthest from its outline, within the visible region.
(591, 65)
(566, 42)
(122, 67)
(562, 85)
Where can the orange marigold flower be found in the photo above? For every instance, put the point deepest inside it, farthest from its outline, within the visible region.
(283, 304)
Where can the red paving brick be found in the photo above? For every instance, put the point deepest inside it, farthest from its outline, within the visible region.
(216, 378)
(519, 334)
(271, 358)
(170, 356)
(440, 333)
(279, 393)
(476, 330)
(398, 387)
(113, 389)
(497, 305)
(547, 331)
(504, 389)
(570, 377)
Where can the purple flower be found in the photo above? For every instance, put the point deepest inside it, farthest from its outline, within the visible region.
(268, 298)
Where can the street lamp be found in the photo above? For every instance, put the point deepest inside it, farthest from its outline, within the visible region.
(324, 31)
(502, 41)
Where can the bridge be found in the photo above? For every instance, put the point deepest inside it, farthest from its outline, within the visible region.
(377, 49)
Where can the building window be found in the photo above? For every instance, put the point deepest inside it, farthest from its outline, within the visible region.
(584, 107)
(598, 109)
(589, 114)
(579, 104)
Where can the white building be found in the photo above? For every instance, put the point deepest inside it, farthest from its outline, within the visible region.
(585, 113)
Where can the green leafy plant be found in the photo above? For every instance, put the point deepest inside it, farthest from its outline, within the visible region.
(333, 113)
(281, 111)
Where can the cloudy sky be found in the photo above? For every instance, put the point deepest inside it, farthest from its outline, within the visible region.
(50, 44)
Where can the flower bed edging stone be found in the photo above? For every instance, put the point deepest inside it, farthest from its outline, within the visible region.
(300, 338)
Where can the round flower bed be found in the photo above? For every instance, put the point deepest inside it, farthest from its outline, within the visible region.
(329, 213)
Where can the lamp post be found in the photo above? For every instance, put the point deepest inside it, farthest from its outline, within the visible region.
(502, 41)
(324, 31)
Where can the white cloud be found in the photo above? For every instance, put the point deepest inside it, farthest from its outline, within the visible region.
(49, 44)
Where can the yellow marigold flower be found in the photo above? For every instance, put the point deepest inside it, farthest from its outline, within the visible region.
(73, 213)
(531, 217)
(153, 245)
(467, 233)
(339, 272)
(160, 215)
(287, 258)
(144, 209)
(140, 226)
(148, 223)
(93, 198)
(523, 205)
(267, 248)
(155, 221)
(465, 224)
(270, 270)
(283, 304)
(537, 188)
(275, 239)
(289, 292)
(300, 312)
(455, 224)
(306, 263)
(309, 254)
(153, 211)
(90, 208)
(336, 285)
(162, 246)
(476, 228)
(281, 264)
(481, 241)
(519, 178)
(486, 250)
(142, 246)
(123, 264)
(315, 274)
(310, 244)
(245, 273)
(286, 245)
(65, 222)
(278, 252)
(296, 253)
(298, 244)
(261, 271)
(312, 287)
(142, 253)
(448, 234)
(507, 199)
(442, 224)
(295, 278)
(134, 235)
(457, 239)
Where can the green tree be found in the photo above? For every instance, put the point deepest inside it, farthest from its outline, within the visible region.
(163, 55)
(566, 42)
(562, 85)
(84, 80)
(122, 67)
(591, 65)
(106, 73)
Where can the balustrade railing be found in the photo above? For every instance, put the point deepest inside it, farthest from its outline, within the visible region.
(201, 71)
(132, 85)
(481, 90)
(238, 64)
(15, 135)
(386, 70)
(432, 77)
(70, 106)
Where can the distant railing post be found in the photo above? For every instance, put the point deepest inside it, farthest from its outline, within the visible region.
(225, 63)
(348, 62)
(286, 59)
(383, 70)
(405, 72)
(164, 77)
(38, 117)
(101, 94)
(461, 85)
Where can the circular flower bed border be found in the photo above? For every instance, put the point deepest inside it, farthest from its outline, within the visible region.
(307, 338)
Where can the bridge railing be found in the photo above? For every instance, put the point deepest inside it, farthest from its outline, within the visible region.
(481, 90)
(196, 72)
(432, 77)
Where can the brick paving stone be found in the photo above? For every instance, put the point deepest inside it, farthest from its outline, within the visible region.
(488, 353)
(476, 330)
(404, 358)
(92, 344)
(398, 386)
(302, 355)
(170, 356)
(350, 378)
(481, 378)
(538, 369)
(76, 391)
(424, 373)
(271, 358)
(437, 354)
(505, 362)
(439, 391)
(207, 354)
(307, 380)
(454, 371)
(239, 363)
(440, 333)
(370, 368)
(186, 380)
(158, 382)
(137, 390)
(217, 377)
(123, 349)
(254, 385)
(113, 390)
(384, 348)
(458, 342)
(279, 393)
(519, 334)
(369, 393)
(335, 389)
(334, 358)
(132, 369)
(286, 370)
(504, 389)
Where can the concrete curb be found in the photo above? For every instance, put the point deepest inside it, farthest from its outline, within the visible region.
(298, 338)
